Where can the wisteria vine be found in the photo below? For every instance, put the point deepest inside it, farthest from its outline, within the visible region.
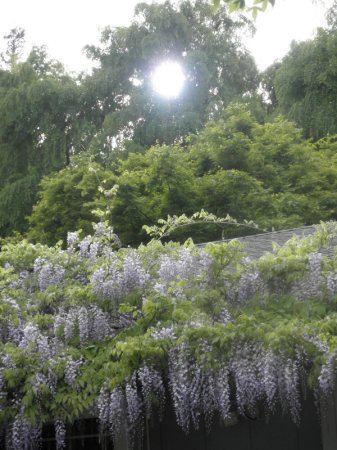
(108, 332)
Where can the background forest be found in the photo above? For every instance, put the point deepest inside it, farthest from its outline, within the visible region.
(257, 146)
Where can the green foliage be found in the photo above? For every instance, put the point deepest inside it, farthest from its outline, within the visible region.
(15, 42)
(265, 173)
(305, 84)
(16, 200)
(216, 66)
(46, 115)
(67, 202)
(39, 126)
(237, 5)
(280, 323)
(268, 85)
(173, 223)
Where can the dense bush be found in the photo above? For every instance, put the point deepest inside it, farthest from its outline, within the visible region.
(266, 173)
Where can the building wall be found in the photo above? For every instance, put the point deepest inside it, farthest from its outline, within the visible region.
(329, 425)
(280, 433)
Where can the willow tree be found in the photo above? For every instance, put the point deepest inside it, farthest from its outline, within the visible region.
(39, 128)
(305, 84)
(305, 81)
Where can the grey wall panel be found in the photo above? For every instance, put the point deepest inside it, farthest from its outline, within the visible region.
(329, 424)
(310, 433)
(280, 433)
(174, 437)
(235, 437)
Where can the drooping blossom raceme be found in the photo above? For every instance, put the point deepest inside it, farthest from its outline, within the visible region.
(315, 261)
(101, 326)
(93, 251)
(2, 390)
(72, 370)
(69, 326)
(50, 275)
(195, 400)
(135, 410)
(112, 408)
(223, 391)
(10, 331)
(72, 239)
(251, 284)
(292, 381)
(327, 380)
(22, 436)
(245, 367)
(179, 367)
(84, 325)
(331, 284)
(133, 274)
(117, 282)
(30, 333)
(100, 229)
(151, 380)
(311, 285)
(270, 377)
(60, 433)
(40, 381)
(188, 264)
(163, 333)
(85, 247)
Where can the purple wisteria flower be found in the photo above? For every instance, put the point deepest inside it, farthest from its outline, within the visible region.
(152, 383)
(72, 239)
(72, 370)
(60, 433)
(50, 275)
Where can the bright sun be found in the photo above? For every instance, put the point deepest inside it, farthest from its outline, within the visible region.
(168, 79)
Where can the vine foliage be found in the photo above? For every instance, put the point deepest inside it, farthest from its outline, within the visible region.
(113, 332)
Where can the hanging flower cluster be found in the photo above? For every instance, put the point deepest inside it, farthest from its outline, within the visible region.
(113, 333)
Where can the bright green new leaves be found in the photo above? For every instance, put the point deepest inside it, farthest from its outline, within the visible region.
(237, 5)
(173, 223)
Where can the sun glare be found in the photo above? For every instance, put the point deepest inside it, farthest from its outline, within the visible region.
(168, 79)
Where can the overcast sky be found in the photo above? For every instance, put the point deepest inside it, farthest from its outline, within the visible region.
(66, 26)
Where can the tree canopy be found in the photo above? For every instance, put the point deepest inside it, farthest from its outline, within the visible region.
(302, 85)
(237, 5)
(40, 126)
(265, 173)
(207, 46)
(47, 115)
(305, 84)
(15, 43)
